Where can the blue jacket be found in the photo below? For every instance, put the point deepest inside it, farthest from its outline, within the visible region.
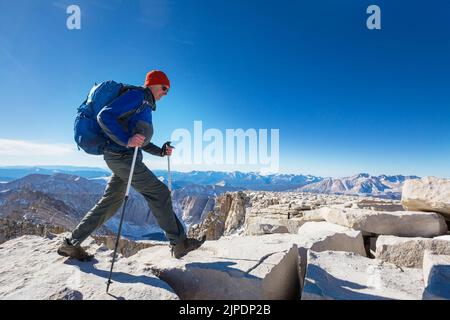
(127, 115)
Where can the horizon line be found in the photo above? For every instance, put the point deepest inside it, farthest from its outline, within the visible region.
(215, 171)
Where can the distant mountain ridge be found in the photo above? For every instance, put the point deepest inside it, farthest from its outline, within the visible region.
(240, 180)
(232, 180)
(16, 172)
(382, 186)
(362, 183)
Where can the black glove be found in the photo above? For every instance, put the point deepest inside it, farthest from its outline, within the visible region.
(164, 148)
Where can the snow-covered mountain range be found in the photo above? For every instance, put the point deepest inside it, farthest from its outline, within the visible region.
(382, 186)
(240, 180)
(11, 173)
(363, 183)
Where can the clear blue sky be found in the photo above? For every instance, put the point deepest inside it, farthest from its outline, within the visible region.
(346, 99)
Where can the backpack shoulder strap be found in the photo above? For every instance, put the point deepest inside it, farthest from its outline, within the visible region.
(126, 87)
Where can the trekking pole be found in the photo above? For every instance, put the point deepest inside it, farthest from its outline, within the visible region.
(123, 214)
(168, 169)
(170, 176)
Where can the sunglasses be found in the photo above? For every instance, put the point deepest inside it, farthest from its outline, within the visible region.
(164, 88)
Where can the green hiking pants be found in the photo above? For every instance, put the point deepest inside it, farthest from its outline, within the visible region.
(145, 182)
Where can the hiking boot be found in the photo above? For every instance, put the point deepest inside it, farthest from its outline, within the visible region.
(187, 245)
(68, 250)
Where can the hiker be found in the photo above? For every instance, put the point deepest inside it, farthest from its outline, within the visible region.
(126, 129)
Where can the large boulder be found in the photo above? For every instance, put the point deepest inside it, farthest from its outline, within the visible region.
(320, 236)
(427, 194)
(226, 218)
(313, 215)
(446, 237)
(334, 275)
(255, 225)
(323, 236)
(408, 252)
(436, 275)
(236, 215)
(258, 226)
(397, 223)
(379, 204)
(252, 267)
(30, 269)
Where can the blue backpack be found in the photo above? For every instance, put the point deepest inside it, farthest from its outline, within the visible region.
(87, 133)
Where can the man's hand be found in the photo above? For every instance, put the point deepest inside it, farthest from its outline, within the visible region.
(166, 149)
(136, 141)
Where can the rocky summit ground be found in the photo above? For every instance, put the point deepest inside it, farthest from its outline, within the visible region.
(261, 245)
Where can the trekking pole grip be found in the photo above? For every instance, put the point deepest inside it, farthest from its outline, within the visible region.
(166, 145)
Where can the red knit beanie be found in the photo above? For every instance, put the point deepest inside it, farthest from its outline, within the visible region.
(156, 77)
